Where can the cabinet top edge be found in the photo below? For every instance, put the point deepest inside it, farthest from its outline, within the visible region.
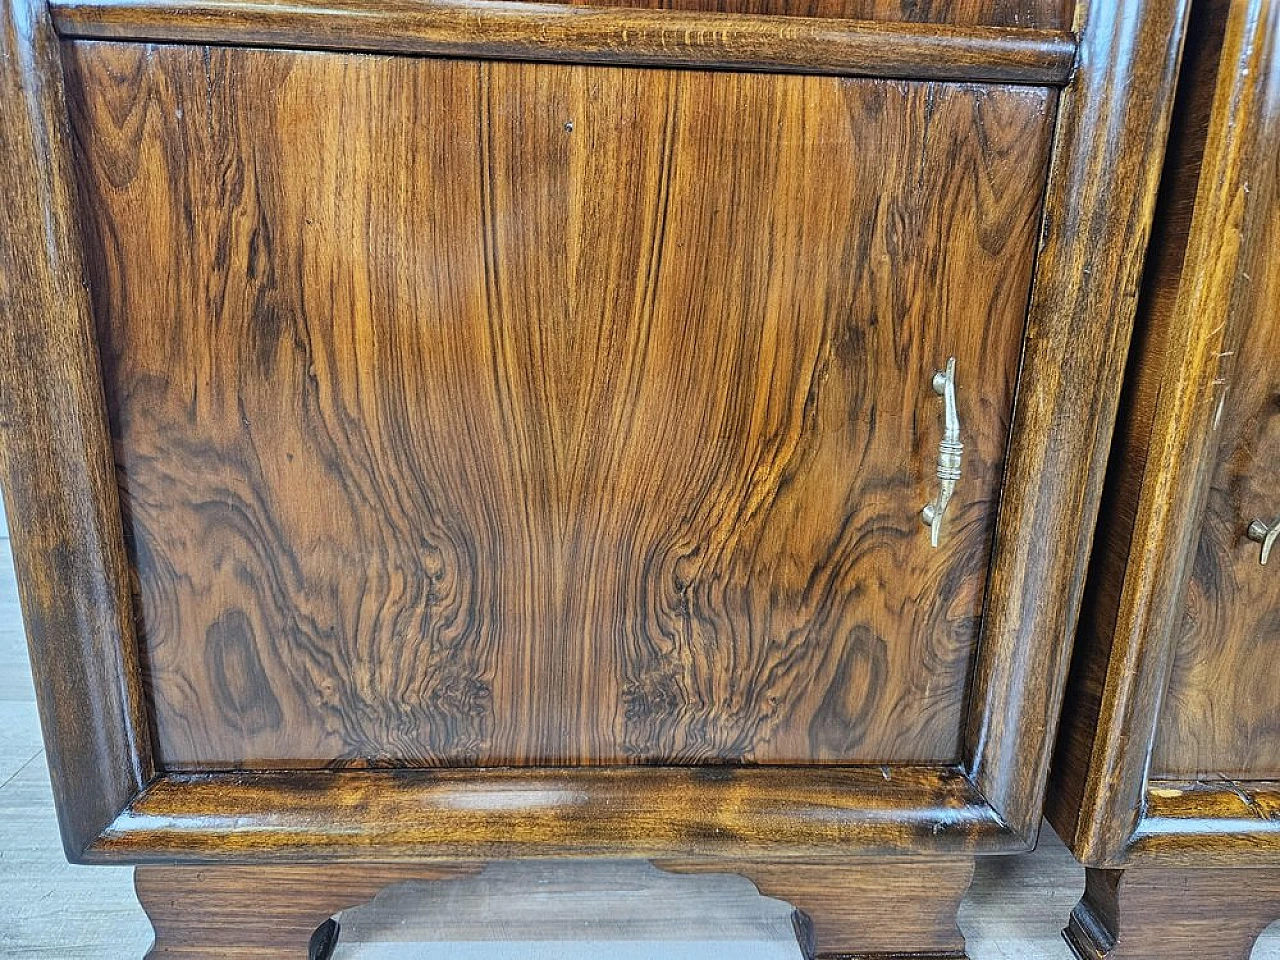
(567, 33)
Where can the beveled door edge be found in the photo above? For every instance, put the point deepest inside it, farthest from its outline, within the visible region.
(1208, 822)
(56, 464)
(740, 813)
(1198, 823)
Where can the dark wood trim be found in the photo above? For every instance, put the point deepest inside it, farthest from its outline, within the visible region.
(1100, 798)
(774, 813)
(58, 473)
(1112, 125)
(1225, 822)
(1084, 746)
(582, 34)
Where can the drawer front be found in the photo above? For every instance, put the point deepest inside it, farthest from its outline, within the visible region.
(1221, 713)
(493, 413)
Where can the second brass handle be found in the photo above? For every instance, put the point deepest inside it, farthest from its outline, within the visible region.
(1259, 532)
(950, 451)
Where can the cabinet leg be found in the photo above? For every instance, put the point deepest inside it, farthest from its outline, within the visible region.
(863, 908)
(1173, 914)
(269, 913)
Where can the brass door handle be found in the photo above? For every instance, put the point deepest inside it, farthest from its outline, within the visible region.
(950, 451)
(1259, 532)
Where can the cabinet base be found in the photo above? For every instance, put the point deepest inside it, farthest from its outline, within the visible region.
(268, 913)
(870, 909)
(1173, 913)
(863, 909)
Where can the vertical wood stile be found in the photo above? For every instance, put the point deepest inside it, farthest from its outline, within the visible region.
(1112, 127)
(57, 473)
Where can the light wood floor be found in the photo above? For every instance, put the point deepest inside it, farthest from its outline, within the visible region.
(1014, 910)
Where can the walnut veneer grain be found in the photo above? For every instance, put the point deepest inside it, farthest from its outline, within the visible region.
(590, 423)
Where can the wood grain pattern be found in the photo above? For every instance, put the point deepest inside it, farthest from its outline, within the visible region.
(260, 913)
(1221, 711)
(1166, 454)
(55, 458)
(1085, 801)
(881, 908)
(773, 813)
(579, 34)
(1140, 914)
(1102, 189)
(1018, 14)
(1029, 14)
(588, 423)
(1208, 823)
(1087, 752)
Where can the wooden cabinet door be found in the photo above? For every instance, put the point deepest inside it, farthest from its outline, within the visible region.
(487, 414)
(1221, 713)
(503, 430)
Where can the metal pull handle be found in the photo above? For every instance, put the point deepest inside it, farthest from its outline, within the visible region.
(950, 451)
(1259, 532)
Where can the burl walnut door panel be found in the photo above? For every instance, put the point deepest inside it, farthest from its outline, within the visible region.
(497, 413)
(1221, 713)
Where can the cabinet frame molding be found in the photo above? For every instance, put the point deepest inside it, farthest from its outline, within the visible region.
(63, 507)
(565, 33)
(1104, 803)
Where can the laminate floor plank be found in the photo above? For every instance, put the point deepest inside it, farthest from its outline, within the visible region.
(54, 909)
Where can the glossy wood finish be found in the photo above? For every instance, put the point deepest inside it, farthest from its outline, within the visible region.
(1141, 914)
(1043, 14)
(1221, 712)
(1220, 822)
(1175, 673)
(56, 466)
(1084, 805)
(1019, 14)
(263, 913)
(324, 354)
(1031, 14)
(576, 34)
(1026, 14)
(776, 813)
(1096, 223)
(882, 908)
(1115, 116)
(1192, 358)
